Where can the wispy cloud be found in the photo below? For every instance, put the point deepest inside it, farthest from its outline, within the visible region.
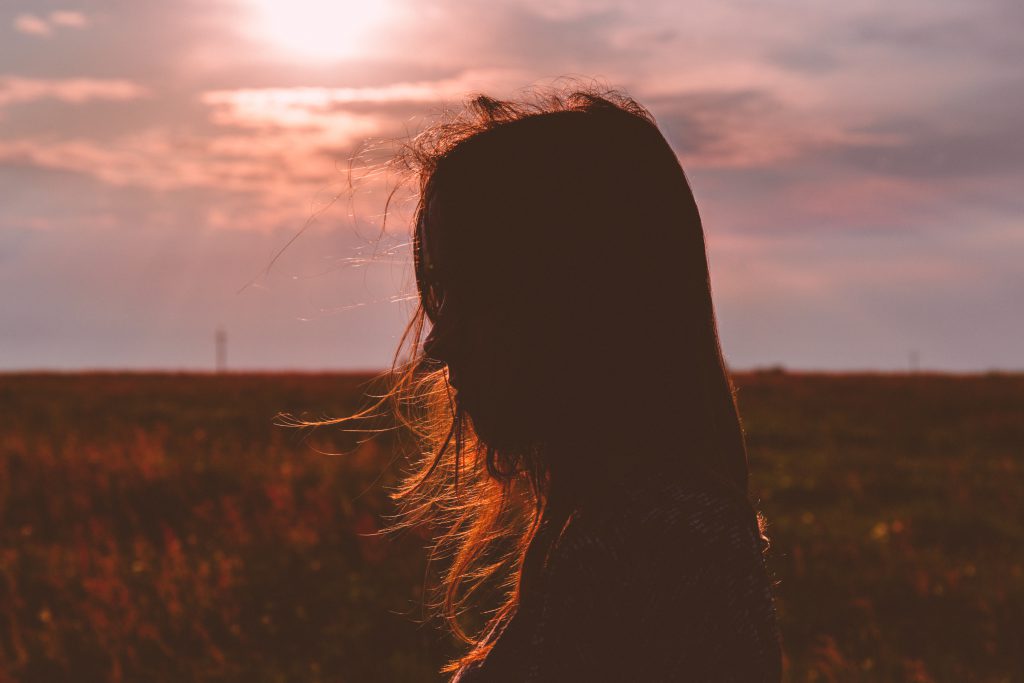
(750, 128)
(68, 18)
(31, 25)
(305, 106)
(35, 25)
(15, 90)
(164, 160)
(302, 108)
(280, 144)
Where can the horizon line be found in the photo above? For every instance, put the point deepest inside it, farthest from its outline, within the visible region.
(756, 369)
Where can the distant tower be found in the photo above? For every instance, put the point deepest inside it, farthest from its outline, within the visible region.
(220, 339)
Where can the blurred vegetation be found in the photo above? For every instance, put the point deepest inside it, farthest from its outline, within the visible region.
(161, 528)
(896, 513)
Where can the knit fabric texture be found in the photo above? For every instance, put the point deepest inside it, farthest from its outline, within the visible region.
(665, 582)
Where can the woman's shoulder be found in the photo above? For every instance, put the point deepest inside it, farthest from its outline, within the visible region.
(659, 528)
(670, 573)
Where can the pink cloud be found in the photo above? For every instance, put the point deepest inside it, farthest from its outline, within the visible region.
(31, 25)
(303, 108)
(314, 106)
(15, 90)
(325, 98)
(157, 159)
(281, 149)
(852, 200)
(68, 18)
(264, 180)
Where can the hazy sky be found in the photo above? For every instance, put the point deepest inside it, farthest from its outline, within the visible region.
(859, 167)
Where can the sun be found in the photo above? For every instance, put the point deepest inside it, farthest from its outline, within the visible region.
(320, 29)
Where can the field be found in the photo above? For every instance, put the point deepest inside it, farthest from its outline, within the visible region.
(161, 528)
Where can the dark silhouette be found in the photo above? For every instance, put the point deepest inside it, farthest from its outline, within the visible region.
(584, 455)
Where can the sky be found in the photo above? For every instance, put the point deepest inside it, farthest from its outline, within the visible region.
(858, 166)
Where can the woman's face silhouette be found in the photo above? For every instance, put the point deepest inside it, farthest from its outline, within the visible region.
(479, 340)
(485, 369)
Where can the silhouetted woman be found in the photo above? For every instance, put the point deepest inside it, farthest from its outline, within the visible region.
(584, 456)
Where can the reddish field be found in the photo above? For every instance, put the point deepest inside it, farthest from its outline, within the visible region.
(161, 528)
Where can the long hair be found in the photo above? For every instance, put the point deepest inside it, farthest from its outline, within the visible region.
(564, 224)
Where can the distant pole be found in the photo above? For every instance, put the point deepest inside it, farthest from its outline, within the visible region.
(915, 361)
(220, 339)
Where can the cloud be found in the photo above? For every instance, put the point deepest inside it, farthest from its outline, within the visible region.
(278, 143)
(164, 160)
(256, 101)
(67, 18)
(278, 146)
(254, 180)
(33, 25)
(925, 151)
(749, 128)
(314, 106)
(15, 90)
(312, 109)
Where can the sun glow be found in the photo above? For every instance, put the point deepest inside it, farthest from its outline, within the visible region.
(321, 29)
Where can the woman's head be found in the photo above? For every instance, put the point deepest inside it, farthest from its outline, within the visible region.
(562, 275)
(560, 260)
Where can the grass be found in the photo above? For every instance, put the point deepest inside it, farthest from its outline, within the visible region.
(159, 527)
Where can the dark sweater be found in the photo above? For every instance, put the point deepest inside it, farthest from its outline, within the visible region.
(666, 582)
